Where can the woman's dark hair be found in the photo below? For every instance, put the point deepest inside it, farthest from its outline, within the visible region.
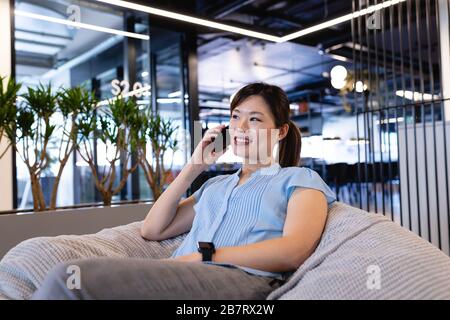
(277, 100)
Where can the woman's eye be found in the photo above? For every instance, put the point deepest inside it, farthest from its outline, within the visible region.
(251, 119)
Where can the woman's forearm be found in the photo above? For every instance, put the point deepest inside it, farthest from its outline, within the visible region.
(164, 209)
(274, 255)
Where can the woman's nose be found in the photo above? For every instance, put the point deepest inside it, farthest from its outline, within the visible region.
(242, 126)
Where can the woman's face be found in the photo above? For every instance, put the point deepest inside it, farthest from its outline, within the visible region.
(253, 131)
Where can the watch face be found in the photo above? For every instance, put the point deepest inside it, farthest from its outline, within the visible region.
(205, 245)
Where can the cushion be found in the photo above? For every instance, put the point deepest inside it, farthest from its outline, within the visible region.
(367, 256)
(24, 267)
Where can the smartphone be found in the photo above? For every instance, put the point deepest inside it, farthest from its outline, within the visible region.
(223, 140)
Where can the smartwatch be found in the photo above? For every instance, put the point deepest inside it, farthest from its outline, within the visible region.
(206, 249)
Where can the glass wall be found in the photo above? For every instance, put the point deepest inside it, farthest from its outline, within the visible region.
(50, 51)
(170, 90)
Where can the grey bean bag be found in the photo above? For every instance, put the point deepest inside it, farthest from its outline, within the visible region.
(360, 256)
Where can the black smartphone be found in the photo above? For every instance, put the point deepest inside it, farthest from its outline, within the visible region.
(223, 140)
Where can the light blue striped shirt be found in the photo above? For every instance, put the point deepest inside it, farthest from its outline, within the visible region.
(228, 214)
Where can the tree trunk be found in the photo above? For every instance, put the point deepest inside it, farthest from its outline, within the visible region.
(38, 195)
(156, 190)
(107, 198)
(151, 180)
(34, 193)
(54, 193)
(56, 183)
(41, 197)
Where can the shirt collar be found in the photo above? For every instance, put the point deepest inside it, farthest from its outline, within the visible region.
(270, 170)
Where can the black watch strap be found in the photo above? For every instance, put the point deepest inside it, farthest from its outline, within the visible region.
(207, 254)
(207, 250)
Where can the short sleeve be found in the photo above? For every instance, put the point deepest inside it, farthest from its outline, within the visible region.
(198, 194)
(307, 178)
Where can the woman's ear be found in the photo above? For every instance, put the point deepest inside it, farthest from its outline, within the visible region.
(284, 129)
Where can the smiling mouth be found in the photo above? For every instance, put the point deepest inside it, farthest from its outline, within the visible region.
(241, 141)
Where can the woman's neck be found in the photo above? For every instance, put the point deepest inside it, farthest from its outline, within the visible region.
(248, 169)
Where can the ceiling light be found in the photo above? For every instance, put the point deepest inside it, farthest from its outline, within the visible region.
(338, 77)
(390, 120)
(168, 100)
(338, 84)
(416, 96)
(360, 86)
(338, 57)
(190, 19)
(174, 94)
(143, 102)
(80, 25)
(246, 32)
(338, 73)
(340, 20)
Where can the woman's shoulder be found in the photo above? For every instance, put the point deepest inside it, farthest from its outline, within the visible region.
(288, 176)
(296, 172)
(292, 177)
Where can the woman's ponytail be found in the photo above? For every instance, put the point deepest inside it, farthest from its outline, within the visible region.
(290, 147)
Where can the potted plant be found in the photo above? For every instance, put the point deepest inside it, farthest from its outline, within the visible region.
(33, 130)
(115, 126)
(8, 96)
(157, 137)
(71, 102)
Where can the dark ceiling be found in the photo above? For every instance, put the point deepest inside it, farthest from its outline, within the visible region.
(413, 45)
(299, 65)
(268, 16)
(280, 17)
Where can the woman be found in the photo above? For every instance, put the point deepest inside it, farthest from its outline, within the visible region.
(249, 231)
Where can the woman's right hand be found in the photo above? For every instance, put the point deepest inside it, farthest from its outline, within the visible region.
(204, 154)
